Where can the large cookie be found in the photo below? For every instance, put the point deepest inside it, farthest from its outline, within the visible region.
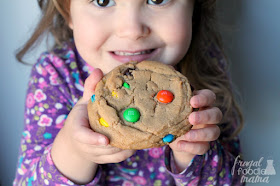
(141, 105)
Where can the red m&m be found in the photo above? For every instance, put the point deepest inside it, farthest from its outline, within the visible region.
(165, 96)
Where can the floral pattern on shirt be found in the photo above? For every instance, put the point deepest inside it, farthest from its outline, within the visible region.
(55, 85)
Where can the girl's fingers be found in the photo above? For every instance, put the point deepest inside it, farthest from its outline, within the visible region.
(87, 136)
(80, 128)
(96, 151)
(199, 148)
(116, 157)
(91, 82)
(208, 116)
(203, 98)
(210, 133)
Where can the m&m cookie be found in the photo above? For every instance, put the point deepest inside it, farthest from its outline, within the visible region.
(141, 105)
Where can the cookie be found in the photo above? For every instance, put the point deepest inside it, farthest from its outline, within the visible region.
(141, 105)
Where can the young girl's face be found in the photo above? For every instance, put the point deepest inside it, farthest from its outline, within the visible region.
(108, 33)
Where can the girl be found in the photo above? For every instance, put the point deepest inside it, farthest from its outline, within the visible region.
(91, 38)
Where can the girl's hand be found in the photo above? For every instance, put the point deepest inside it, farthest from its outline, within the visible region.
(205, 129)
(77, 149)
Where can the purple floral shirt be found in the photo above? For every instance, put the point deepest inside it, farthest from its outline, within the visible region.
(55, 86)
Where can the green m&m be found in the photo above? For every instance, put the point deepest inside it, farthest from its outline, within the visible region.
(126, 85)
(131, 115)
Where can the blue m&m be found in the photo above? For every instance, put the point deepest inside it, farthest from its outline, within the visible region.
(93, 98)
(168, 138)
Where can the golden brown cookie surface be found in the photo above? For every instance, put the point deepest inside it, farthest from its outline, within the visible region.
(141, 105)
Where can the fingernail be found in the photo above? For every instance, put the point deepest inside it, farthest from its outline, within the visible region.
(195, 101)
(102, 141)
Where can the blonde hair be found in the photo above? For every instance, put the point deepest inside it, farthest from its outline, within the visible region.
(203, 70)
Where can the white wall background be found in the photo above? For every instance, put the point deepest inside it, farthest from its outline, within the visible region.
(253, 45)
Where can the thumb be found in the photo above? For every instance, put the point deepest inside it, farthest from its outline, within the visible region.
(91, 83)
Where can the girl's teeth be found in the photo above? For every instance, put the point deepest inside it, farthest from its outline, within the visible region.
(132, 54)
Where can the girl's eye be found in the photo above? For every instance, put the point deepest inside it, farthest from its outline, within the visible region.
(157, 2)
(103, 3)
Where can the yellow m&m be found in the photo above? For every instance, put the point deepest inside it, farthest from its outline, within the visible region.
(115, 94)
(103, 122)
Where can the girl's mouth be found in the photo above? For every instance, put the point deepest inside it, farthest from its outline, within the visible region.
(120, 53)
(127, 56)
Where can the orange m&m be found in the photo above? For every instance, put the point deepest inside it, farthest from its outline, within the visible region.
(165, 96)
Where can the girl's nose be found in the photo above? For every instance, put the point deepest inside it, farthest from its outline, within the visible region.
(131, 25)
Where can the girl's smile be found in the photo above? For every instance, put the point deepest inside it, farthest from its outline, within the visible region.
(125, 56)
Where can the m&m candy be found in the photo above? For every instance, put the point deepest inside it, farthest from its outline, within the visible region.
(103, 122)
(126, 85)
(131, 115)
(168, 138)
(93, 98)
(115, 94)
(165, 96)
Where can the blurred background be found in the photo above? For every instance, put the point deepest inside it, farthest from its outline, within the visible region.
(250, 29)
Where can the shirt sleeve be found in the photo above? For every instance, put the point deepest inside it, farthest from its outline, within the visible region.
(48, 102)
(213, 168)
(216, 167)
